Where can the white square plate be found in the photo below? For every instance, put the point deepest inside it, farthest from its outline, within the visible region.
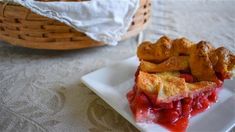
(113, 82)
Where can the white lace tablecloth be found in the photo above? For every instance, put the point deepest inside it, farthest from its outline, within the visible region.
(41, 90)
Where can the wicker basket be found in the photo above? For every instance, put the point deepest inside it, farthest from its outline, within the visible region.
(21, 27)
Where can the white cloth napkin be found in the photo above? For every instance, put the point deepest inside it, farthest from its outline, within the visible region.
(102, 20)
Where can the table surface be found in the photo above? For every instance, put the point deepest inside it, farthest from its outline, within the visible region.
(41, 90)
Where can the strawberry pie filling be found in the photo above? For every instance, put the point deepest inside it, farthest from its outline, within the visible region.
(174, 115)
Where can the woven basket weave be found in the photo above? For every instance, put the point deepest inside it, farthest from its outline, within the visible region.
(21, 27)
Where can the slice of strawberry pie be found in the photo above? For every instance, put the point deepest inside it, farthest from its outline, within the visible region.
(177, 79)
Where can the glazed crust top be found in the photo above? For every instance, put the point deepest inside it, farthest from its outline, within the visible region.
(204, 60)
(168, 86)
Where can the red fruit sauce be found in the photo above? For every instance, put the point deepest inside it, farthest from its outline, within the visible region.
(173, 116)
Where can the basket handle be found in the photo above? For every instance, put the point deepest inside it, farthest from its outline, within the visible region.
(3, 8)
